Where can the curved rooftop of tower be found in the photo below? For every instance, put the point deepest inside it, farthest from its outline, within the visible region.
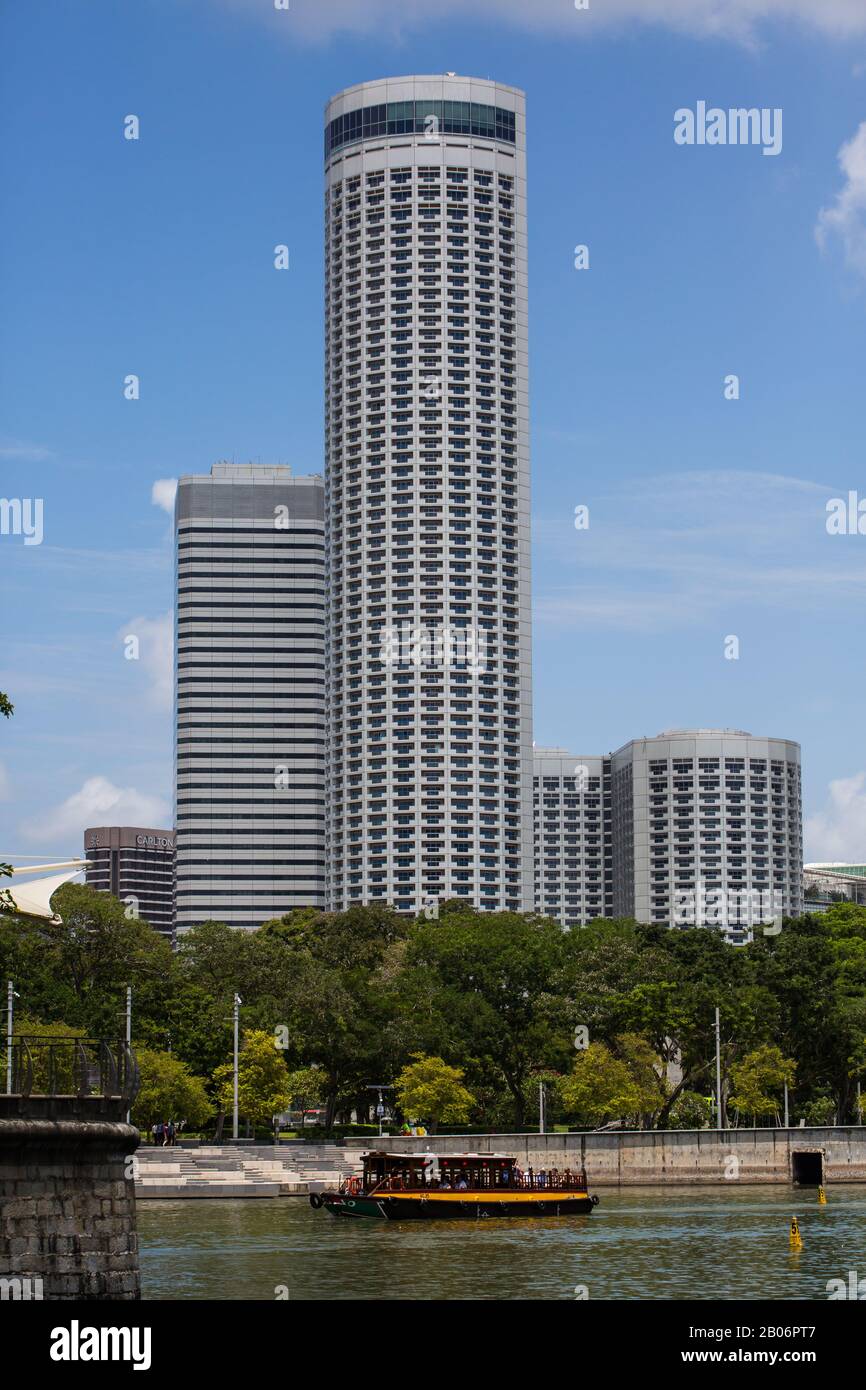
(704, 733)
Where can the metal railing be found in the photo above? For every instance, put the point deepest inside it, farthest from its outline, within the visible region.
(79, 1067)
(543, 1180)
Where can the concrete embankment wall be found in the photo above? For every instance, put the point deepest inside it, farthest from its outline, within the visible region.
(641, 1157)
(67, 1209)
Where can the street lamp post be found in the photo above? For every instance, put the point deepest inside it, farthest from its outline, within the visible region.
(11, 994)
(128, 1030)
(235, 1014)
(380, 1103)
(719, 1118)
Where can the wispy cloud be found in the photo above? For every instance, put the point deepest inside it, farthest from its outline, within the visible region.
(846, 218)
(676, 549)
(162, 494)
(102, 562)
(743, 21)
(152, 642)
(16, 451)
(838, 831)
(97, 802)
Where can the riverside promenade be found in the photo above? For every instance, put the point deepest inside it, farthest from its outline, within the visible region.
(627, 1158)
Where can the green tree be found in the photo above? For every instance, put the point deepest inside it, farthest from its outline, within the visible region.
(263, 1080)
(96, 951)
(430, 1090)
(758, 1080)
(306, 1088)
(485, 989)
(629, 1083)
(648, 1074)
(169, 1091)
(600, 1087)
(342, 998)
(77, 971)
(691, 1111)
(821, 1110)
(816, 969)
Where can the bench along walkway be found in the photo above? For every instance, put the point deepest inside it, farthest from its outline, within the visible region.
(233, 1170)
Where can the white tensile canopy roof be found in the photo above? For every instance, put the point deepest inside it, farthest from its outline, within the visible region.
(33, 899)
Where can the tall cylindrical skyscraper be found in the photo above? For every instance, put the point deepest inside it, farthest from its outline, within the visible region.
(429, 777)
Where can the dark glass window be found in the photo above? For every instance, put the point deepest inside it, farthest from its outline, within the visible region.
(406, 117)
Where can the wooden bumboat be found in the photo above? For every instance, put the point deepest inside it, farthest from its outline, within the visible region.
(427, 1186)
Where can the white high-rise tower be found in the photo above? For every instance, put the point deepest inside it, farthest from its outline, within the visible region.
(429, 777)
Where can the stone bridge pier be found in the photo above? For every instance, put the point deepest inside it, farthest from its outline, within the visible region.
(67, 1197)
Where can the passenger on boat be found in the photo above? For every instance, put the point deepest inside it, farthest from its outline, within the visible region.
(462, 1185)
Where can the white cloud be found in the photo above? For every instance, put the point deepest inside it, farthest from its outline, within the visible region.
(846, 219)
(155, 659)
(14, 451)
(741, 20)
(162, 494)
(98, 802)
(838, 832)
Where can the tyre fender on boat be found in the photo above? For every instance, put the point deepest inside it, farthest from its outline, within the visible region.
(315, 1200)
(594, 1201)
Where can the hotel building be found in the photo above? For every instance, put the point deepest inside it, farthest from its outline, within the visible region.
(429, 774)
(135, 864)
(698, 827)
(573, 843)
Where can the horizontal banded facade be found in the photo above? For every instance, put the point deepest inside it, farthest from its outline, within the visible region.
(250, 693)
(134, 863)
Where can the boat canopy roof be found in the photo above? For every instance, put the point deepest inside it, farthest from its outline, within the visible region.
(421, 1156)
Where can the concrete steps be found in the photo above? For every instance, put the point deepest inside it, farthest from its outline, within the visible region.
(236, 1171)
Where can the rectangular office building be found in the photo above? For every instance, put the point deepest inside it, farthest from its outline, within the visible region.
(250, 694)
(135, 864)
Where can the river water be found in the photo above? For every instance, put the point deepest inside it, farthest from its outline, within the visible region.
(646, 1243)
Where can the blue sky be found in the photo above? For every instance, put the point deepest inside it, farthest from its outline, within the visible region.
(155, 257)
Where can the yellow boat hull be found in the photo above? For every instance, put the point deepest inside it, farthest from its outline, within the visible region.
(432, 1206)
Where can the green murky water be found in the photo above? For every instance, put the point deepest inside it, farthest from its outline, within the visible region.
(650, 1243)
